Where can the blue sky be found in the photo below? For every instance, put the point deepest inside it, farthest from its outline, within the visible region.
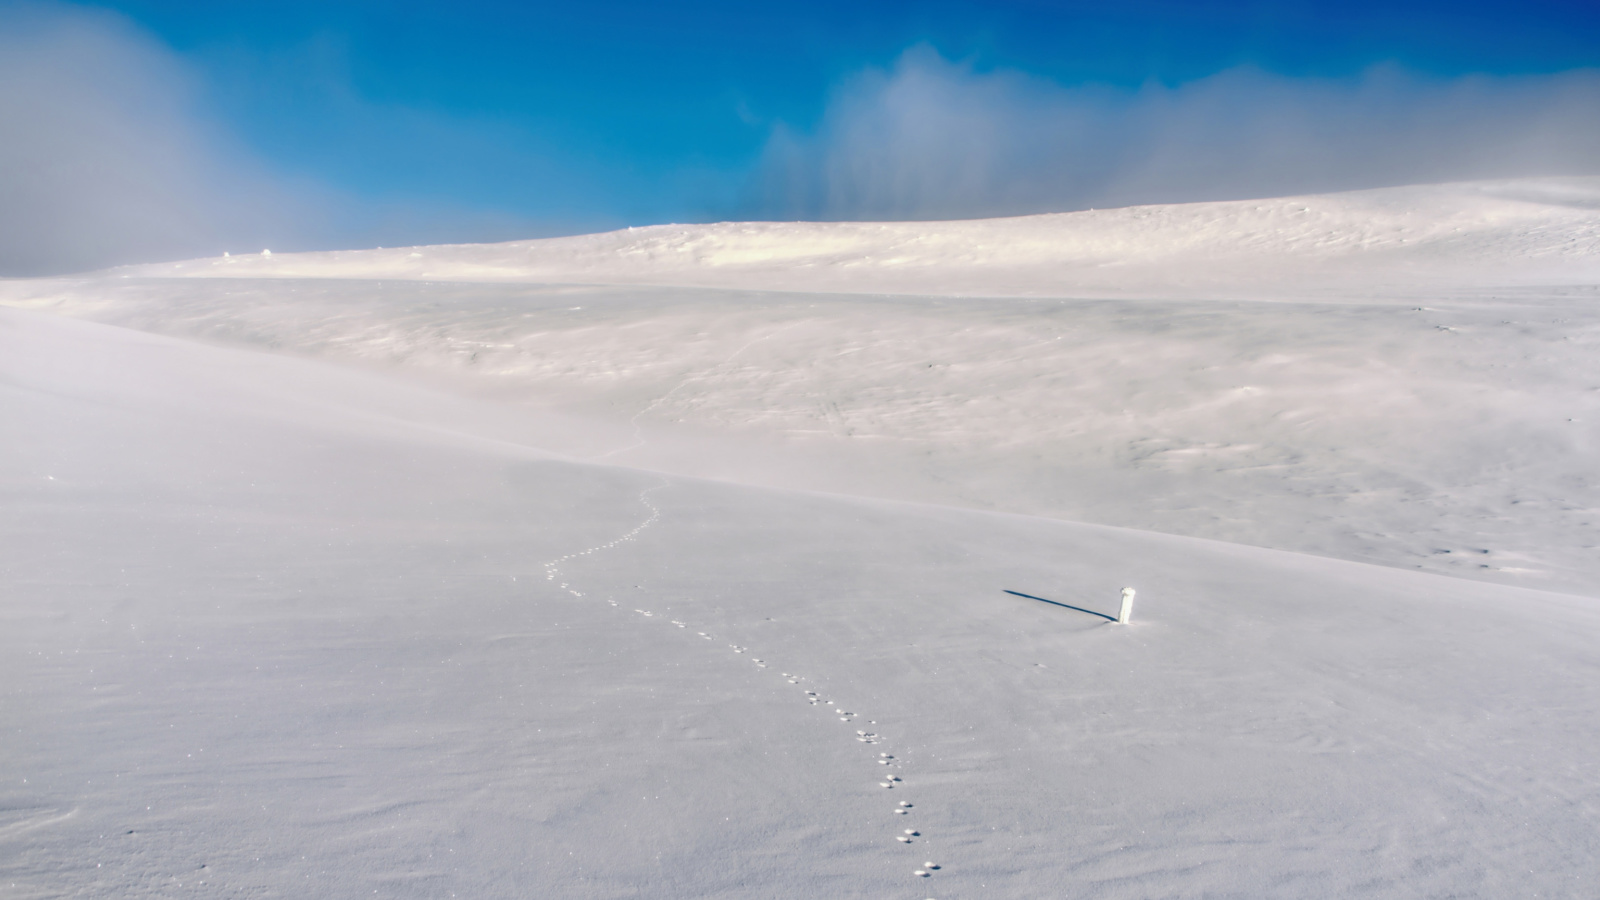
(351, 124)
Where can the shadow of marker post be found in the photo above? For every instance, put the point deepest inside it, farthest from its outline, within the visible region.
(1059, 603)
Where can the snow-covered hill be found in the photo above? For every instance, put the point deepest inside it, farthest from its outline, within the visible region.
(660, 564)
(272, 629)
(1428, 403)
(1532, 232)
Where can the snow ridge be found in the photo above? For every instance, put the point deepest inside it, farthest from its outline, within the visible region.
(1527, 231)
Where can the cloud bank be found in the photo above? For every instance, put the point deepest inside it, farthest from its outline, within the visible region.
(934, 139)
(107, 157)
(111, 153)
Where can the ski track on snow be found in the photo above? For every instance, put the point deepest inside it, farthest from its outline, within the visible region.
(886, 778)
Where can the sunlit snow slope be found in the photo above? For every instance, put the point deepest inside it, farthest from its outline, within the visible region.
(272, 629)
(774, 560)
(1539, 232)
(1431, 402)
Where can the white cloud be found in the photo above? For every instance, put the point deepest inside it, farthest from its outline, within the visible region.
(106, 155)
(931, 138)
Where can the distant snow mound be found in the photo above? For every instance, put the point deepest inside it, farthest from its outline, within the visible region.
(1578, 193)
(1502, 233)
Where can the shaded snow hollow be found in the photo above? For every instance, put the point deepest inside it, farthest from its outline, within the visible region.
(356, 574)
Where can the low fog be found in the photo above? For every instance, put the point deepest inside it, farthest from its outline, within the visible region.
(106, 156)
(930, 138)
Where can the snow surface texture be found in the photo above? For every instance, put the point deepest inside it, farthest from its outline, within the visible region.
(398, 620)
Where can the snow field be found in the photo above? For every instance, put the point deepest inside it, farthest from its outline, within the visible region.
(1427, 237)
(776, 559)
(280, 628)
(1454, 436)
(889, 779)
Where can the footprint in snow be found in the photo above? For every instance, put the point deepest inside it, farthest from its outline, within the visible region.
(884, 759)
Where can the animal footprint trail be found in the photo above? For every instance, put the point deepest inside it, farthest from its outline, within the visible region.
(552, 569)
(885, 779)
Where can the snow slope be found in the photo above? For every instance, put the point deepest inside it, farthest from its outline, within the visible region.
(1530, 232)
(1430, 402)
(274, 628)
(613, 566)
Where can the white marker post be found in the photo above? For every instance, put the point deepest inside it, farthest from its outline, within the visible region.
(1126, 613)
